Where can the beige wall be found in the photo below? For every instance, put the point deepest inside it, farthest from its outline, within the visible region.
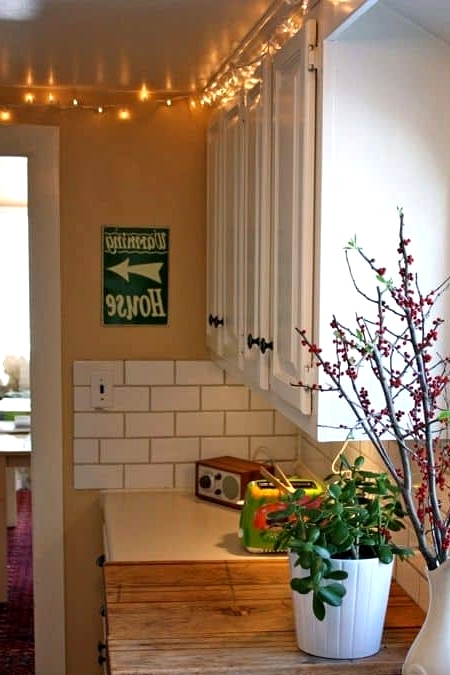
(150, 171)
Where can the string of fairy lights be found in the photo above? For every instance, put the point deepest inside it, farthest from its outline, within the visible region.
(238, 73)
(59, 99)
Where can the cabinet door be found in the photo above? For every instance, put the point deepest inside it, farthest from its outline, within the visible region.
(214, 304)
(257, 141)
(293, 213)
(232, 228)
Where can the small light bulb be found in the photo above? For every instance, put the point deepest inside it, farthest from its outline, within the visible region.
(51, 98)
(5, 115)
(29, 97)
(124, 114)
(192, 104)
(169, 102)
(100, 109)
(144, 93)
(75, 102)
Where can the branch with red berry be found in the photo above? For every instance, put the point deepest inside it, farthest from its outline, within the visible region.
(391, 356)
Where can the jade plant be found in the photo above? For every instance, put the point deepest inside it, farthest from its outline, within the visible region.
(354, 517)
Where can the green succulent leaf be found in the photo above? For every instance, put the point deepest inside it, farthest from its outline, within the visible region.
(385, 554)
(332, 594)
(301, 585)
(318, 607)
(337, 575)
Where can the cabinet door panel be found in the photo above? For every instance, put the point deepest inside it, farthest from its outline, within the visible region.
(257, 135)
(293, 213)
(232, 235)
(214, 305)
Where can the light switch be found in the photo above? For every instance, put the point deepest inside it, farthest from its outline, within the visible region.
(102, 390)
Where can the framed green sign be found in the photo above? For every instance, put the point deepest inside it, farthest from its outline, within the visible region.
(135, 275)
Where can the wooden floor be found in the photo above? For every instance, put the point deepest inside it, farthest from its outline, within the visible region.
(232, 618)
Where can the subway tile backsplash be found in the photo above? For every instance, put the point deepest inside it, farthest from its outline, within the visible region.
(166, 415)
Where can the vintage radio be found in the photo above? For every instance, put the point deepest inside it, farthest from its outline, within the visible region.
(224, 479)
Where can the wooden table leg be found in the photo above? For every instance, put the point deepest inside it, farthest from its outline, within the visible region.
(3, 534)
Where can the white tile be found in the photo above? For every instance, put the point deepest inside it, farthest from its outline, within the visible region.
(175, 398)
(229, 445)
(249, 423)
(277, 447)
(198, 372)
(149, 476)
(122, 450)
(225, 398)
(98, 477)
(124, 398)
(259, 401)
(82, 398)
(199, 424)
(283, 425)
(175, 449)
(82, 371)
(85, 451)
(185, 477)
(149, 372)
(149, 424)
(131, 399)
(98, 425)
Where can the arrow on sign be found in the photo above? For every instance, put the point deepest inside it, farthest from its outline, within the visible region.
(149, 270)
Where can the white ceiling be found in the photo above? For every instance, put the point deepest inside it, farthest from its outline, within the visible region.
(120, 44)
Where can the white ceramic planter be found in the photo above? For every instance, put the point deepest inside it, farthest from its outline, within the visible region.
(354, 629)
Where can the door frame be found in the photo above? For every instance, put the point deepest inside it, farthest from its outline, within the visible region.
(40, 144)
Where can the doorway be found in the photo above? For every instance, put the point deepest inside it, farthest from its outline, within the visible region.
(41, 147)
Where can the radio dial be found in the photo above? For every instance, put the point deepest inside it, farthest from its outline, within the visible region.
(205, 482)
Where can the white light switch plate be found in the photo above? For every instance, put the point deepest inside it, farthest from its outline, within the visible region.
(102, 390)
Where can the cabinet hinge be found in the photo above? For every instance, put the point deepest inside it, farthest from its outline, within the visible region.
(314, 57)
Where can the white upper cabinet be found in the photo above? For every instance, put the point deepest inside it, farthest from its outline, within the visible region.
(293, 184)
(294, 95)
(261, 227)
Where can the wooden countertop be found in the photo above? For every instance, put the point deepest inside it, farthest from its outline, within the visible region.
(227, 617)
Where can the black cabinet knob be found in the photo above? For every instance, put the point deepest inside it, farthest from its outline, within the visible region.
(101, 660)
(252, 341)
(263, 345)
(101, 560)
(215, 321)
